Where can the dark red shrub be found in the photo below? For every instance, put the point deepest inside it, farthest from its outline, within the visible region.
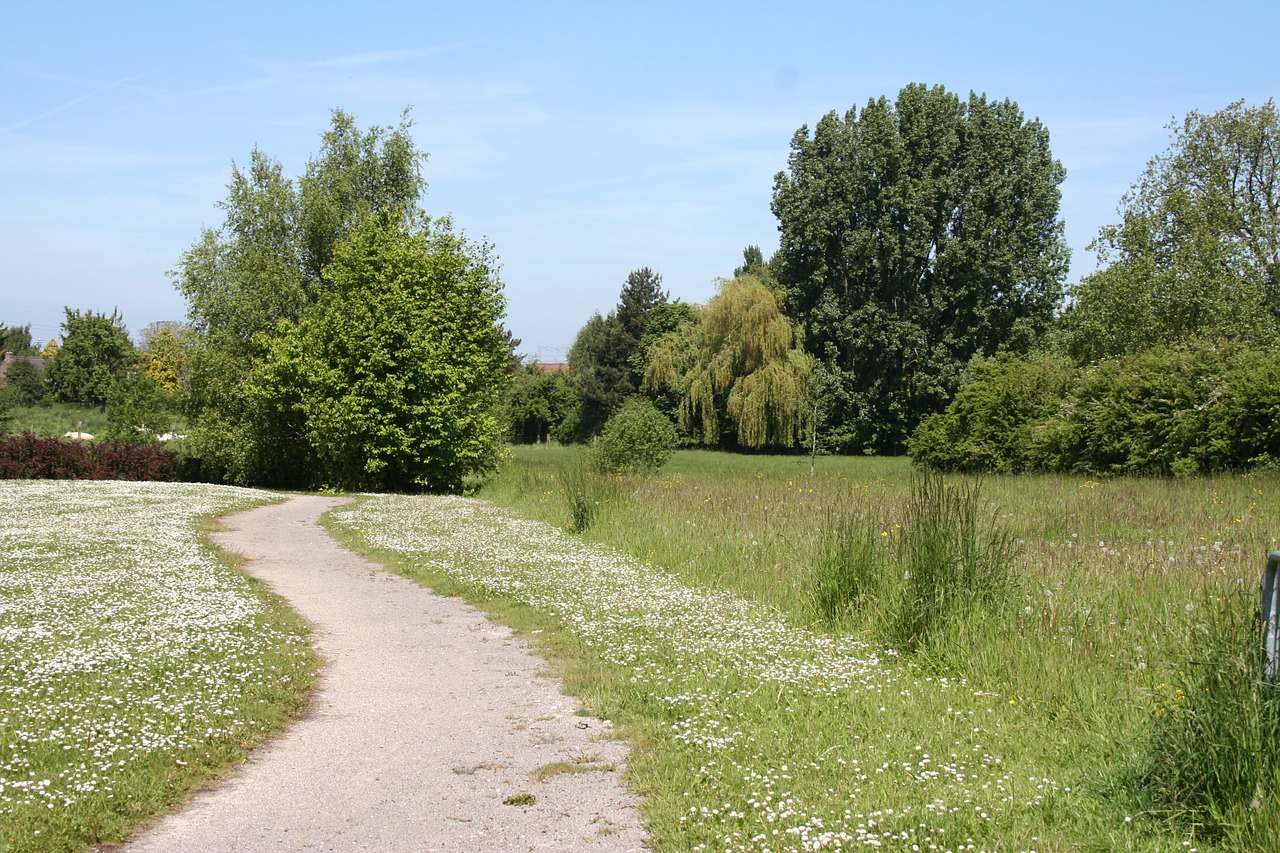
(25, 457)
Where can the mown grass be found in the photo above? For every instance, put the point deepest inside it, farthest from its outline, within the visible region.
(136, 663)
(54, 420)
(57, 419)
(1111, 578)
(756, 724)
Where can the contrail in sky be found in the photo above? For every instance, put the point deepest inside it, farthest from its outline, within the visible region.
(71, 103)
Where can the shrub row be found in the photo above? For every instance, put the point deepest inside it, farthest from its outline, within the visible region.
(25, 457)
(1163, 411)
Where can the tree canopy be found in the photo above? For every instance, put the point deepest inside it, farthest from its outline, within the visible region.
(16, 339)
(1196, 253)
(93, 358)
(737, 369)
(1163, 363)
(602, 364)
(539, 405)
(282, 390)
(162, 348)
(396, 371)
(913, 236)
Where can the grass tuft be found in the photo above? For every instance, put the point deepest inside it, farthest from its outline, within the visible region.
(947, 563)
(520, 800)
(1211, 762)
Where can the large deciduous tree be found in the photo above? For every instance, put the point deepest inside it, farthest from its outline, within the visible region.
(93, 358)
(913, 236)
(396, 371)
(1196, 254)
(358, 174)
(737, 368)
(267, 292)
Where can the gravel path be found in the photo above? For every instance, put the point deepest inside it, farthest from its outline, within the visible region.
(426, 718)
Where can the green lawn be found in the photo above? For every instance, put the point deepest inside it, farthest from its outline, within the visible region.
(56, 419)
(133, 663)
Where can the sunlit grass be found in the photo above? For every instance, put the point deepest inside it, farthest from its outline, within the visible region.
(53, 420)
(134, 662)
(1109, 576)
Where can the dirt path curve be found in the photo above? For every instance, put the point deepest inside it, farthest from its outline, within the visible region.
(427, 717)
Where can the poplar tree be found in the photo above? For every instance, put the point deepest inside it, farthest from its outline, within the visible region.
(915, 235)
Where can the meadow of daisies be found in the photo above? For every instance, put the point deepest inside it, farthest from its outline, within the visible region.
(135, 662)
(1063, 711)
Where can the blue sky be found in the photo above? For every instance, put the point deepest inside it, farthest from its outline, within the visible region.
(583, 140)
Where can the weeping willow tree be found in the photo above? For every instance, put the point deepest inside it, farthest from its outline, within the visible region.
(738, 369)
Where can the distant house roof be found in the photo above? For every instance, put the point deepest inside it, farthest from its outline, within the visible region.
(11, 359)
(552, 366)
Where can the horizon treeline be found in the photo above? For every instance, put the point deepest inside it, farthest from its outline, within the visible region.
(917, 302)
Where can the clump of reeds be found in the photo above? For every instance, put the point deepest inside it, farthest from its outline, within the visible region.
(948, 561)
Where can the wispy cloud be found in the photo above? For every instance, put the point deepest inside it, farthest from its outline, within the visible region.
(246, 86)
(359, 59)
(375, 57)
(423, 89)
(71, 103)
(25, 158)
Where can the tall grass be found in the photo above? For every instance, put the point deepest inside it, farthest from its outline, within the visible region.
(958, 562)
(1215, 726)
(946, 563)
(587, 492)
(1090, 623)
(850, 570)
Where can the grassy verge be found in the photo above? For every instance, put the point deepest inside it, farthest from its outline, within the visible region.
(759, 727)
(135, 664)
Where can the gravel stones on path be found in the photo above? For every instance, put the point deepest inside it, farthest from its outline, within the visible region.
(426, 719)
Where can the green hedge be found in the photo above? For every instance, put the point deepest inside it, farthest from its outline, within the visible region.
(1163, 411)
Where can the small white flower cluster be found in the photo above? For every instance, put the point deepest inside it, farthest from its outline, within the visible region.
(723, 669)
(123, 641)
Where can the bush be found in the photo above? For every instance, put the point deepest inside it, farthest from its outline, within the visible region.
(1162, 411)
(636, 439)
(1144, 414)
(26, 457)
(990, 424)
